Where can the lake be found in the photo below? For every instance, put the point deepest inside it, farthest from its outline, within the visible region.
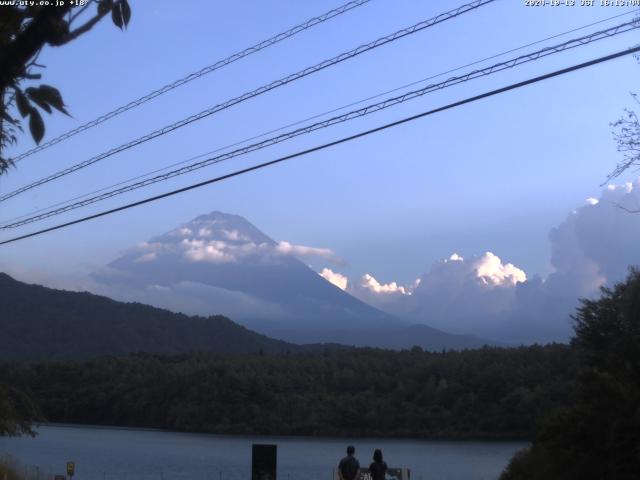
(138, 454)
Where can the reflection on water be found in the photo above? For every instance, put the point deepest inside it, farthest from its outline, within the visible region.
(130, 454)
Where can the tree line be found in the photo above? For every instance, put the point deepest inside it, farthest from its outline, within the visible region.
(490, 392)
(596, 435)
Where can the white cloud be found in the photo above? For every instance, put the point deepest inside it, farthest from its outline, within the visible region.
(234, 235)
(159, 288)
(147, 257)
(286, 248)
(368, 282)
(150, 247)
(592, 247)
(336, 278)
(491, 271)
(456, 294)
(453, 288)
(367, 286)
(389, 296)
(597, 243)
(232, 247)
(214, 252)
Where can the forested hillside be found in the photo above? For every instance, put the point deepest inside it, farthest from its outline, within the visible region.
(490, 392)
(39, 323)
(596, 435)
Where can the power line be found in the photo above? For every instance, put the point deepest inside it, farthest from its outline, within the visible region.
(193, 76)
(339, 119)
(221, 178)
(577, 42)
(259, 91)
(4, 223)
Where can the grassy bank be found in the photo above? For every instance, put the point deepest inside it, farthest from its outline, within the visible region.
(11, 469)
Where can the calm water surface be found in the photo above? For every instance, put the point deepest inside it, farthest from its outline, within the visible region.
(132, 454)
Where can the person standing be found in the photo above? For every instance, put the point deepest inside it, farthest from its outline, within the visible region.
(378, 468)
(349, 467)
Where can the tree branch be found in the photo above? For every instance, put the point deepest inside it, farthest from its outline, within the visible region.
(79, 31)
(45, 26)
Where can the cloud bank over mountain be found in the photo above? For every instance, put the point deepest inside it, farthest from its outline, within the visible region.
(200, 245)
(451, 295)
(487, 296)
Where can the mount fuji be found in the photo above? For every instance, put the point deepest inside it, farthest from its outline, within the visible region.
(222, 264)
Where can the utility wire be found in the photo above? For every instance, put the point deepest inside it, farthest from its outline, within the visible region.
(365, 133)
(319, 115)
(259, 91)
(581, 41)
(193, 76)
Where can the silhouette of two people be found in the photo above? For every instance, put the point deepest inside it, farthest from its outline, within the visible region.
(349, 467)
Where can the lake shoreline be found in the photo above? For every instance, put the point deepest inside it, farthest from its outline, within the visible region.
(115, 453)
(460, 439)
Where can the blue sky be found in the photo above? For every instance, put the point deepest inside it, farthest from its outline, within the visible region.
(495, 175)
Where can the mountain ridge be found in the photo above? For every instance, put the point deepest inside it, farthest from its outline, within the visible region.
(40, 323)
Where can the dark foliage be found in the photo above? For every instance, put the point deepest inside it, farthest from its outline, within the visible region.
(597, 435)
(17, 412)
(490, 392)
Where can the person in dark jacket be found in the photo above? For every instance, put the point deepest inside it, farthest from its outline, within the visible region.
(378, 467)
(349, 467)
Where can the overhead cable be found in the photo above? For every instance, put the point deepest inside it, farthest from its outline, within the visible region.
(260, 166)
(313, 117)
(193, 76)
(254, 93)
(498, 67)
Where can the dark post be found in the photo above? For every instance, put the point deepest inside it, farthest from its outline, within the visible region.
(264, 462)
